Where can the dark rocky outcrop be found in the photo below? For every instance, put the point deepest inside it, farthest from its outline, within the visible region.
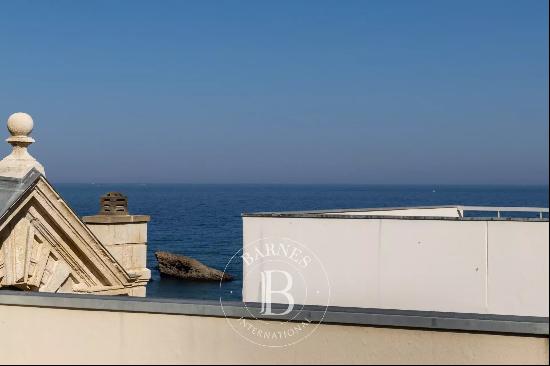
(187, 268)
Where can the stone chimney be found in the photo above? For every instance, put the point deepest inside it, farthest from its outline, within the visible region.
(124, 235)
(19, 162)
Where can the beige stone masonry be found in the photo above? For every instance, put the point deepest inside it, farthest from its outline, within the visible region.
(125, 236)
(45, 247)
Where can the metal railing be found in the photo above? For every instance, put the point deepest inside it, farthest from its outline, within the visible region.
(540, 210)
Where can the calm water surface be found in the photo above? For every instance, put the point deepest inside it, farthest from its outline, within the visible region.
(204, 222)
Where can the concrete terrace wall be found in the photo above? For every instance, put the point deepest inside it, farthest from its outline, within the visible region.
(92, 329)
(434, 264)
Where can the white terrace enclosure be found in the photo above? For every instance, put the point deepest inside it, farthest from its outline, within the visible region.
(424, 258)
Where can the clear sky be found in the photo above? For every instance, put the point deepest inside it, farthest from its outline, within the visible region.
(282, 91)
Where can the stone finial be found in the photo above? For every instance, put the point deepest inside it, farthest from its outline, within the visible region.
(19, 162)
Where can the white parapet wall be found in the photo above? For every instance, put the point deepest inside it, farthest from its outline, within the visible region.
(474, 265)
(59, 329)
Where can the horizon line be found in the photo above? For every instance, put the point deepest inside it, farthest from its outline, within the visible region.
(307, 184)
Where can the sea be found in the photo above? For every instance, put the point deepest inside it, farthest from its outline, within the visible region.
(204, 221)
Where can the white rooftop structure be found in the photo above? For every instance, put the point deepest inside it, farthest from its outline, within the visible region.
(416, 258)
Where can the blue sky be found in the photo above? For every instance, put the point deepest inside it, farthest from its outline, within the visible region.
(281, 92)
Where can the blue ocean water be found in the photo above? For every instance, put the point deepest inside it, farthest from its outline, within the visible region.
(204, 221)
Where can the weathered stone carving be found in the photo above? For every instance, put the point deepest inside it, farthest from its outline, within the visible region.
(45, 246)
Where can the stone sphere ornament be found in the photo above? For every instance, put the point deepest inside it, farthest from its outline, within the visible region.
(19, 163)
(20, 124)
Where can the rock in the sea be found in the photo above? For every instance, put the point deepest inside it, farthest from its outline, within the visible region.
(180, 266)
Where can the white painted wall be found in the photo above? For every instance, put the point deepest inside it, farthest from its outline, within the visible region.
(518, 267)
(495, 267)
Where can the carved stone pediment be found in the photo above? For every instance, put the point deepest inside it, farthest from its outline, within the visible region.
(44, 246)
